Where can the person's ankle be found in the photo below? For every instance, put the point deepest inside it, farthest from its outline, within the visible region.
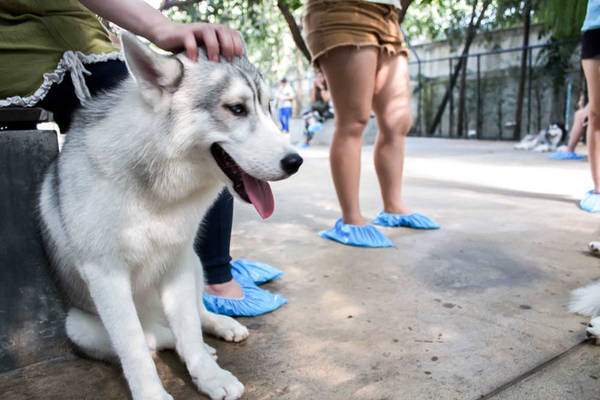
(354, 220)
(229, 290)
(400, 209)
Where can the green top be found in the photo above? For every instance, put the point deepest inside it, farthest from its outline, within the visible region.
(34, 36)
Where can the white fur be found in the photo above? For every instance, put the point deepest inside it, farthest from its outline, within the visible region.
(586, 301)
(544, 141)
(121, 208)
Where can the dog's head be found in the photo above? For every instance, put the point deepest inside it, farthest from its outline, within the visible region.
(220, 111)
(555, 133)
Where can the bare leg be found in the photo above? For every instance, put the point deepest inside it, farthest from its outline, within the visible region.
(391, 103)
(350, 75)
(578, 128)
(591, 68)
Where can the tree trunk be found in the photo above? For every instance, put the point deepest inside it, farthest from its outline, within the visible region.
(524, 53)
(460, 125)
(471, 33)
(402, 14)
(294, 29)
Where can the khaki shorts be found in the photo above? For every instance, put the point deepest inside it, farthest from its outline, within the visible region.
(334, 23)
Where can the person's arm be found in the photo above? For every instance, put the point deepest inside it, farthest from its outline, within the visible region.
(313, 94)
(140, 18)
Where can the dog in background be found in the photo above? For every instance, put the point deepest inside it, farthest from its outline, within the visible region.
(121, 205)
(544, 141)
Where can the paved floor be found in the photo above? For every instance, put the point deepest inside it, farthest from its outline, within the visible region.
(449, 314)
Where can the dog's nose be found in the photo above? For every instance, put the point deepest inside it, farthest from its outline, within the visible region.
(291, 163)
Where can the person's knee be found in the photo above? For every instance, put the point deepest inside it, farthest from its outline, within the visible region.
(351, 127)
(395, 123)
(594, 120)
(580, 117)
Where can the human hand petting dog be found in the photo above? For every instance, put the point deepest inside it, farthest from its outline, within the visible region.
(140, 18)
(216, 38)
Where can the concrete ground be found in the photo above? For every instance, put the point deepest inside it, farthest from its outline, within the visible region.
(471, 311)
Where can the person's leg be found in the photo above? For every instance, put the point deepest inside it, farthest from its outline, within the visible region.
(591, 68)
(287, 113)
(578, 128)
(212, 246)
(350, 75)
(225, 293)
(391, 104)
(280, 114)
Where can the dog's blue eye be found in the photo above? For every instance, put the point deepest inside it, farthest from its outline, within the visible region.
(237, 109)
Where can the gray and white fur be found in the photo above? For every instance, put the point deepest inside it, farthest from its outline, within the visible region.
(122, 203)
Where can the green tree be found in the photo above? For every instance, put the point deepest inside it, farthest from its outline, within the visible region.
(261, 22)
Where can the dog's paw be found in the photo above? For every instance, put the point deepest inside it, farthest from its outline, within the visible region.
(211, 351)
(220, 385)
(593, 329)
(595, 248)
(229, 329)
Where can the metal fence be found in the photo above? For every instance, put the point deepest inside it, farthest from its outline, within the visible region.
(490, 91)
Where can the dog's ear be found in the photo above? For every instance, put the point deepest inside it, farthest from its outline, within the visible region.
(156, 74)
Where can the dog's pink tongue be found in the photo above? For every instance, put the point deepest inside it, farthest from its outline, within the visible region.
(260, 195)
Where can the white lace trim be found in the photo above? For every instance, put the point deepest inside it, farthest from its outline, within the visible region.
(71, 61)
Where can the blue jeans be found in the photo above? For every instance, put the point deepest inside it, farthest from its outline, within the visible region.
(284, 118)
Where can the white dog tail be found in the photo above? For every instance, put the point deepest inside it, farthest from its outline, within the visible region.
(586, 300)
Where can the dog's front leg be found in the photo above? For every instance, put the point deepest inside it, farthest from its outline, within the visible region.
(112, 294)
(178, 295)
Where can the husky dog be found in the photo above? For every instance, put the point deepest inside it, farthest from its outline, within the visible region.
(586, 300)
(544, 141)
(122, 203)
(551, 139)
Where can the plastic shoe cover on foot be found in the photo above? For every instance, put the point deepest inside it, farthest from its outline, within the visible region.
(256, 301)
(413, 220)
(565, 155)
(356, 235)
(590, 202)
(254, 271)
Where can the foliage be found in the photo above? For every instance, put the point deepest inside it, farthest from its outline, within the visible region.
(562, 18)
(264, 30)
(441, 19)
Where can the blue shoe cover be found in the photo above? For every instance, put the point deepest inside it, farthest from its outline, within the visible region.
(356, 235)
(254, 271)
(565, 155)
(590, 202)
(413, 220)
(256, 301)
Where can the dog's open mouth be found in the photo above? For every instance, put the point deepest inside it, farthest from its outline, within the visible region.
(250, 189)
